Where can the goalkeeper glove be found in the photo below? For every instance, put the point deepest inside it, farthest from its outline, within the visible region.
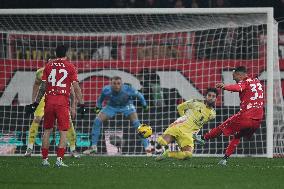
(82, 110)
(30, 109)
(199, 139)
(145, 108)
(97, 110)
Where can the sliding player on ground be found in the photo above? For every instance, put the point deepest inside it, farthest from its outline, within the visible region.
(119, 98)
(194, 114)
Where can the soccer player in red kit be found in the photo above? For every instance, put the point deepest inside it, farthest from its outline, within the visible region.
(58, 76)
(248, 119)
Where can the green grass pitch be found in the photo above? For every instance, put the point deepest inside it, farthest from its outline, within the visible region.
(142, 172)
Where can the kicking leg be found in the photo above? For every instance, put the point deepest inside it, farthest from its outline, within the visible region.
(230, 149)
(232, 145)
(213, 133)
(228, 127)
(235, 142)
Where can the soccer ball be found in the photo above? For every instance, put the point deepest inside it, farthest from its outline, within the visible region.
(144, 130)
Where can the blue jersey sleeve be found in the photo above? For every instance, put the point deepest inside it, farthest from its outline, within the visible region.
(104, 93)
(135, 93)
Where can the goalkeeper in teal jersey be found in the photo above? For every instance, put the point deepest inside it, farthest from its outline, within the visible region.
(119, 98)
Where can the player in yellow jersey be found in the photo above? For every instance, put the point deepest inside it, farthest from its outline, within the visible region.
(39, 113)
(193, 115)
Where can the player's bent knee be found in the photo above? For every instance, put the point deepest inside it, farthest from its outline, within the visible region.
(187, 154)
(162, 141)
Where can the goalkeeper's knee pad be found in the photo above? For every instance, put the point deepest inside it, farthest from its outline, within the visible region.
(162, 141)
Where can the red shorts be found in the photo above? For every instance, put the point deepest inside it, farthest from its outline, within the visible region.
(53, 112)
(239, 122)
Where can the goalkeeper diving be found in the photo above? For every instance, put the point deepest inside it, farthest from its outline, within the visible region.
(193, 115)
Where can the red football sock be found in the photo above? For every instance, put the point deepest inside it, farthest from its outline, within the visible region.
(213, 133)
(44, 153)
(60, 152)
(232, 146)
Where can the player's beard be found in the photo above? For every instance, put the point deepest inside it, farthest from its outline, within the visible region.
(210, 103)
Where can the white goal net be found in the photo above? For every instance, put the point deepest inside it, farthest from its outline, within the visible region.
(170, 55)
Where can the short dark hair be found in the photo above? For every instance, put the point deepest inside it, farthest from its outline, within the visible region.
(61, 51)
(241, 69)
(214, 90)
(49, 57)
(115, 78)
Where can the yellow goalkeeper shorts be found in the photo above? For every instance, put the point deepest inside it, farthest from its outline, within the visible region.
(182, 134)
(40, 109)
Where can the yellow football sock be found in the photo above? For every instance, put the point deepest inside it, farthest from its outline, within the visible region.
(162, 141)
(180, 155)
(71, 137)
(32, 133)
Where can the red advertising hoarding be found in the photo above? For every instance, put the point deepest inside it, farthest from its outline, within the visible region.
(100, 57)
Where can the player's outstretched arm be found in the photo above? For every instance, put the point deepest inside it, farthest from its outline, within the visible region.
(99, 103)
(233, 87)
(100, 100)
(140, 96)
(142, 100)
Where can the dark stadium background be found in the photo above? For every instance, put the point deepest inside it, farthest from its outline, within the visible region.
(277, 4)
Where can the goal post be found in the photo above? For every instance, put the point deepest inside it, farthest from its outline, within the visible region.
(170, 55)
(270, 66)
